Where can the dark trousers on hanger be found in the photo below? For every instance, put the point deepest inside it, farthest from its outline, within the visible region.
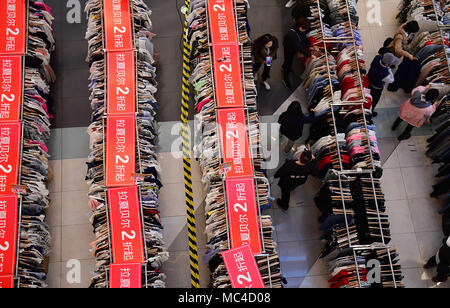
(266, 72)
(408, 127)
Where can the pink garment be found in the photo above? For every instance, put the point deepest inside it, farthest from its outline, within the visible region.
(43, 147)
(413, 115)
(94, 204)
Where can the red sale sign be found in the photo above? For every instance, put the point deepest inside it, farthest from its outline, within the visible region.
(117, 23)
(9, 156)
(8, 234)
(242, 268)
(234, 142)
(125, 276)
(125, 225)
(120, 150)
(7, 282)
(121, 89)
(10, 88)
(222, 22)
(242, 214)
(227, 76)
(12, 26)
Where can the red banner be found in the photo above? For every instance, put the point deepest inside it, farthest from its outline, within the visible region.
(242, 268)
(126, 225)
(117, 22)
(12, 26)
(120, 150)
(125, 276)
(234, 142)
(227, 74)
(9, 156)
(8, 234)
(121, 89)
(222, 22)
(11, 88)
(242, 214)
(7, 282)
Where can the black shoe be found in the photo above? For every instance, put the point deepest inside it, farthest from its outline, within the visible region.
(374, 114)
(404, 136)
(282, 206)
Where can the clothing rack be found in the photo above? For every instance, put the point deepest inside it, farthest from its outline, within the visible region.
(213, 150)
(334, 107)
(123, 170)
(25, 129)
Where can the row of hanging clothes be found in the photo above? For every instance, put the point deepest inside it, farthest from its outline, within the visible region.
(430, 46)
(343, 140)
(34, 238)
(208, 151)
(147, 141)
(439, 151)
(432, 49)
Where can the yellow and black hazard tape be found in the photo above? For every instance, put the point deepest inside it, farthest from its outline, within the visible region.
(186, 148)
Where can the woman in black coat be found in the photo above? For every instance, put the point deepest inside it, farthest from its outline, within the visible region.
(292, 122)
(264, 51)
(442, 261)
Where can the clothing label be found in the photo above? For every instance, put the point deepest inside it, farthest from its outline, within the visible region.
(234, 142)
(242, 214)
(12, 26)
(125, 225)
(121, 85)
(8, 234)
(7, 282)
(227, 76)
(117, 23)
(9, 156)
(222, 22)
(125, 276)
(11, 88)
(120, 150)
(242, 268)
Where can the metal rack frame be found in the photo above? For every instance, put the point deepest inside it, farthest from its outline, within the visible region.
(361, 103)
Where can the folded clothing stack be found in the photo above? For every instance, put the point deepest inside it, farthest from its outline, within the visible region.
(208, 147)
(35, 241)
(147, 140)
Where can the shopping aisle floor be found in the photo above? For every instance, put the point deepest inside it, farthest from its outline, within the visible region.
(406, 181)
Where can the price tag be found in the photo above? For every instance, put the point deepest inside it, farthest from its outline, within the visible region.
(242, 268)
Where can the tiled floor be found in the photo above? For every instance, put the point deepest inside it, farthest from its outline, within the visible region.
(407, 178)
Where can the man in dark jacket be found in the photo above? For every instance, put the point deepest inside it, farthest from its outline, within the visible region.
(380, 73)
(291, 123)
(295, 43)
(294, 173)
(442, 261)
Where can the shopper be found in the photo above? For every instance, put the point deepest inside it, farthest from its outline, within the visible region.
(418, 109)
(264, 52)
(401, 38)
(292, 122)
(380, 73)
(295, 44)
(294, 173)
(442, 261)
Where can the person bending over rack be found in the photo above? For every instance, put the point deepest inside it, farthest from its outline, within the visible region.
(417, 110)
(294, 173)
